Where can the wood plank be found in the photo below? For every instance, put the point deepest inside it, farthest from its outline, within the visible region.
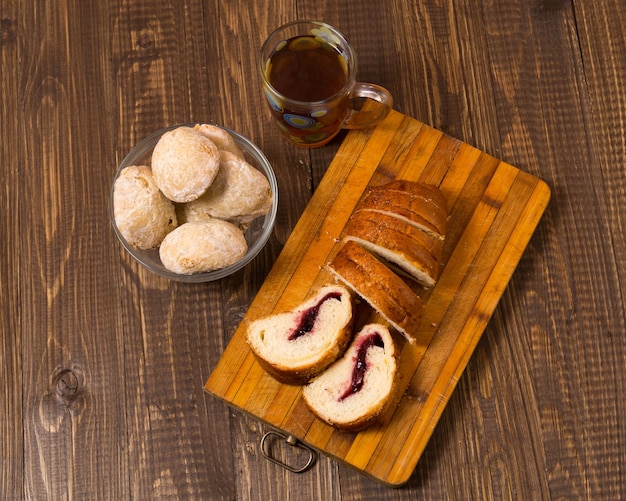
(66, 304)
(494, 210)
(564, 122)
(11, 364)
(600, 30)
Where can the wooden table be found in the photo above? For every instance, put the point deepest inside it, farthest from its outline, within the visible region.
(102, 364)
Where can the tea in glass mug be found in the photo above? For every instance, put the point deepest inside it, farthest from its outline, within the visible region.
(309, 80)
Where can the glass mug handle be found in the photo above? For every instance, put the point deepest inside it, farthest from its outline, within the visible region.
(369, 104)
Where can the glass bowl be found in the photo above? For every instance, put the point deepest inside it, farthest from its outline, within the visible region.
(256, 235)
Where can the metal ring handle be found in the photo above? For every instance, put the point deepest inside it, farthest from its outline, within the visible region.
(293, 442)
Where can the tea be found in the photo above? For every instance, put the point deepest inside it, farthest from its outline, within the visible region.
(306, 69)
(309, 84)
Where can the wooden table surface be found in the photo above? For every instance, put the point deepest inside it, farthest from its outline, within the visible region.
(102, 364)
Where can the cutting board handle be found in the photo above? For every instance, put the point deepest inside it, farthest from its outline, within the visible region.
(268, 444)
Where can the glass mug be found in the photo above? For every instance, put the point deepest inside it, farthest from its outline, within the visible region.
(309, 80)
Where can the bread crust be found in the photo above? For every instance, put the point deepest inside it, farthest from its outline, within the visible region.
(420, 204)
(201, 246)
(222, 139)
(385, 291)
(413, 250)
(143, 215)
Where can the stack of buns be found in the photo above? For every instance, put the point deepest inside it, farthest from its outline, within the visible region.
(194, 202)
(392, 243)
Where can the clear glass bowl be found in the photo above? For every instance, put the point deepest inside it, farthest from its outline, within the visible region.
(257, 233)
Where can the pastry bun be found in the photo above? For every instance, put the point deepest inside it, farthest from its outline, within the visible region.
(184, 164)
(239, 193)
(201, 246)
(143, 215)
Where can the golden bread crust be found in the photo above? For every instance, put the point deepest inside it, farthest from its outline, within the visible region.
(413, 250)
(419, 203)
(332, 396)
(385, 291)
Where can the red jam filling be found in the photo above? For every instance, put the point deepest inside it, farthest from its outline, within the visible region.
(308, 317)
(360, 367)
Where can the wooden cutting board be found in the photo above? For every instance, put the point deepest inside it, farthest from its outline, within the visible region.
(494, 209)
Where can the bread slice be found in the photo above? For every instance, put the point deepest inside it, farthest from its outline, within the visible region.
(414, 251)
(420, 204)
(385, 291)
(359, 388)
(296, 345)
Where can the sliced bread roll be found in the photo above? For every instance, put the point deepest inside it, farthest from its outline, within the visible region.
(412, 250)
(432, 243)
(420, 204)
(359, 388)
(385, 291)
(296, 345)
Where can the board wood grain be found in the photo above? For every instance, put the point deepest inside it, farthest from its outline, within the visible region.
(494, 208)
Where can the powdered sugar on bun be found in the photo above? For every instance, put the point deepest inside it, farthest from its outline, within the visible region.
(201, 246)
(222, 139)
(184, 164)
(239, 193)
(143, 215)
